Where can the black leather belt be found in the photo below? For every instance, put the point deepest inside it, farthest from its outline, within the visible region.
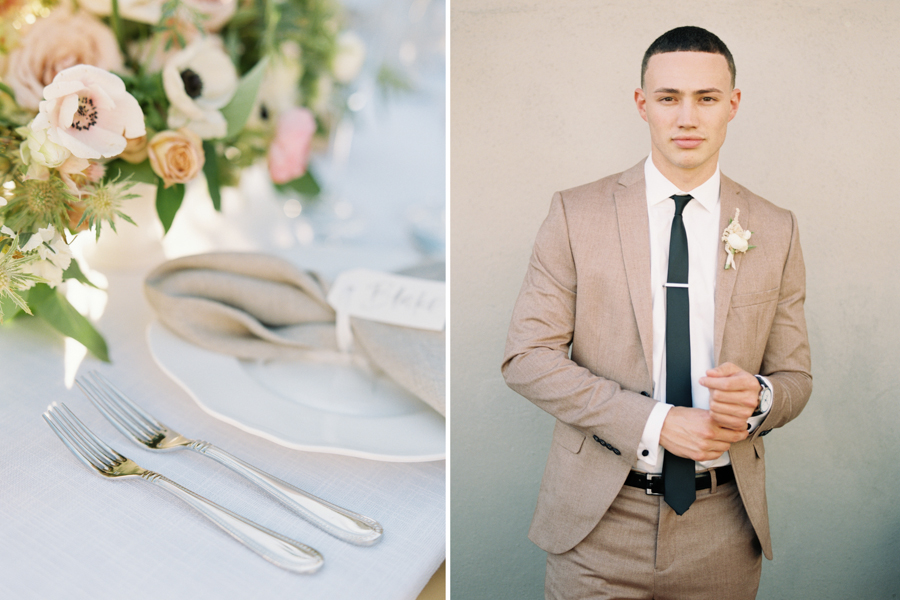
(653, 483)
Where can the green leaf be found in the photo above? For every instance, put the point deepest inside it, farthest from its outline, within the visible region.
(306, 185)
(74, 272)
(140, 172)
(51, 306)
(168, 201)
(238, 110)
(9, 309)
(211, 170)
(7, 90)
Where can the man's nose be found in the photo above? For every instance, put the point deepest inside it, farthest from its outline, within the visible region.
(687, 115)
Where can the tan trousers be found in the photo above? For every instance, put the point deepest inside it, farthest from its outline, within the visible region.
(642, 549)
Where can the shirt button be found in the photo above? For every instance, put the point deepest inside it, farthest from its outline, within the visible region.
(645, 453)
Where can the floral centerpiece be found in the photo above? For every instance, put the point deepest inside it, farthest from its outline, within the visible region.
(98, 95)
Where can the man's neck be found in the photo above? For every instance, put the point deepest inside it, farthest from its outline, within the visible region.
(686, 179)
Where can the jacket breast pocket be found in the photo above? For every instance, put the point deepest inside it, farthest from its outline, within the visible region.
(754, 298)
(568, 437)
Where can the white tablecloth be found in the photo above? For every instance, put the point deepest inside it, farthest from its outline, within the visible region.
(69, 533)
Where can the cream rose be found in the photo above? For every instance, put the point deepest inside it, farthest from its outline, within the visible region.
(142, 11)
(350, 56)
(215, 13)
(738, 242)
(135, 150)
(176, 156)
(52, 45)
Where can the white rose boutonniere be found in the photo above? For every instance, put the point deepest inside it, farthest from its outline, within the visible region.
(736, 239)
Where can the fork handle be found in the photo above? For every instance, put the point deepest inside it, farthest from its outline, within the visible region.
(274, 547)
(341, 523)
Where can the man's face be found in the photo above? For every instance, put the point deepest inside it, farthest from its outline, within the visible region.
(687, 99)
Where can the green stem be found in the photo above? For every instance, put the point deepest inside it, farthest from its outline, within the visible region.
(117, 26)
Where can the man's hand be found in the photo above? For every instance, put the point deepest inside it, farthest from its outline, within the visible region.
(733, 395)
(693, 433)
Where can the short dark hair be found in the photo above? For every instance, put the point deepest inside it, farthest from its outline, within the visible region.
(688, 39)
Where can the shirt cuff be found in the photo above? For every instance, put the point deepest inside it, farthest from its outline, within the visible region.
(648, 449)
(756, 420)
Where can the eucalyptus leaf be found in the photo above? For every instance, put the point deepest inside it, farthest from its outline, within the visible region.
(51, 306)
(74, 272)
(168, 201)
(238, 110)
(305, 185)
(120, 169)
(9, 309)
(211, 171)
(7, 90)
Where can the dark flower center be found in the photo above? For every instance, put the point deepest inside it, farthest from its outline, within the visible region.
(193, 85)
(86, 116)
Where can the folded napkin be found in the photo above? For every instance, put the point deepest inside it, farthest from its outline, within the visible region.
(256, 306)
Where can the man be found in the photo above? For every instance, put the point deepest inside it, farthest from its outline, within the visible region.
(664, 352)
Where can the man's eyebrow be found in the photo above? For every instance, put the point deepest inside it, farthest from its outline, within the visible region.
(679, 92)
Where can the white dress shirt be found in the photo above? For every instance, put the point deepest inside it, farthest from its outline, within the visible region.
(701, 223)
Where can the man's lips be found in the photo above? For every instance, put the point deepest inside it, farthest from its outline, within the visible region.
(687, 142)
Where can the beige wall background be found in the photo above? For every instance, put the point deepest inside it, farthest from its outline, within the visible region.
(541, 100)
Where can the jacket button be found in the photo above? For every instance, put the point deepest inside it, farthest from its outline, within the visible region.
(766, 432)
(645, 453)
(645, 394)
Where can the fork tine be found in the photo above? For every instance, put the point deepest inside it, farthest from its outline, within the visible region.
(123, 400)
(74, 447)
(71, 439)
(100, 449)
(112, 411)
(77, 438)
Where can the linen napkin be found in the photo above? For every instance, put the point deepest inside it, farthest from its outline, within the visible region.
(256, 306)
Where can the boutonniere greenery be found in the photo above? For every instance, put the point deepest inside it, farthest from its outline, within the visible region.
(736, 239)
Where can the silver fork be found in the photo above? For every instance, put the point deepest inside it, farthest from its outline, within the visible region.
(98, 456)
(145, 430)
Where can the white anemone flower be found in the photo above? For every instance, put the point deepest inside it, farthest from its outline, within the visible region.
(54, 254)
(199, 81)
(88, 111)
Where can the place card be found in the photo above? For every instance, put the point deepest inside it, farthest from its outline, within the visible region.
(389, 298)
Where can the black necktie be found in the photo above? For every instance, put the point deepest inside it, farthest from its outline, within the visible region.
(678, 473)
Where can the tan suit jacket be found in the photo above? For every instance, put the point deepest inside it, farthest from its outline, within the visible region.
(580, 343)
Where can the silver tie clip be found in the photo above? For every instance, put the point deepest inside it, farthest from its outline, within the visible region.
(678, 285)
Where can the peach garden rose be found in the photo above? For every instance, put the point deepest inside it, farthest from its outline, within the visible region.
(176, 156)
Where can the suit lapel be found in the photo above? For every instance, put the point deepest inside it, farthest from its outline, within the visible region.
(731, 198)
(634, 233)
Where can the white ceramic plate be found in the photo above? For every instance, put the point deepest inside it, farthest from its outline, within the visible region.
(317, 406)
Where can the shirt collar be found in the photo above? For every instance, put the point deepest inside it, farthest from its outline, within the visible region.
(660, 189)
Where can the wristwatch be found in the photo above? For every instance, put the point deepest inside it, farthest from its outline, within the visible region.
(765, 403)
(765, 395)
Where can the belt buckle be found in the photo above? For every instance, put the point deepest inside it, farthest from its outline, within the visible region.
(652, 478)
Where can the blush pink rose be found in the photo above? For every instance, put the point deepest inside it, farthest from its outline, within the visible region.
(289, 152)
(55, 43)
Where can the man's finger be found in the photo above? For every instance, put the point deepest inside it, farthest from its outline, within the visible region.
(724, 370)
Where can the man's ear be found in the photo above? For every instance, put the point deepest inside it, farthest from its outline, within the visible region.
(641, 102)
(735, 102)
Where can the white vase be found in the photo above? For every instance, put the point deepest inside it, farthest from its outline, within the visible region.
(128, 247)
